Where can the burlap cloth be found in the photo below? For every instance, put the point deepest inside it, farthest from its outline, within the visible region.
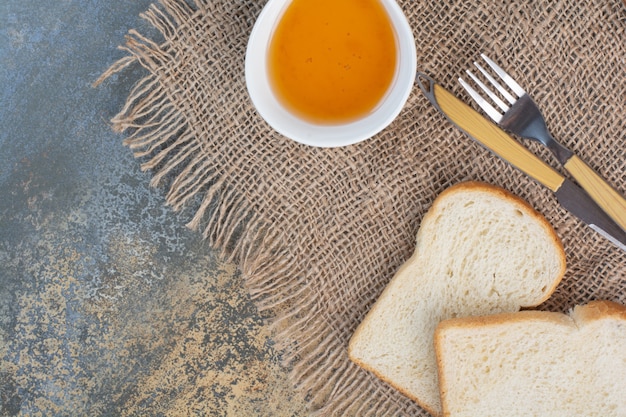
(318, 233)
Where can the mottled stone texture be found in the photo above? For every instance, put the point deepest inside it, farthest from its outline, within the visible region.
(108, 304)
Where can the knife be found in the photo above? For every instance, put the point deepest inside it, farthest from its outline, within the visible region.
(569, 195)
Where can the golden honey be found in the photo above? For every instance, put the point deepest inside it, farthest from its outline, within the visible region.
(332, 61)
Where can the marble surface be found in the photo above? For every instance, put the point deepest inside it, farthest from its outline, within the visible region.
(109, 305)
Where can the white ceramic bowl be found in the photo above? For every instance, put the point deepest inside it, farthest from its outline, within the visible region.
(280, 119)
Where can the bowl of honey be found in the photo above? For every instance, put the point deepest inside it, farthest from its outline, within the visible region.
(330, 73)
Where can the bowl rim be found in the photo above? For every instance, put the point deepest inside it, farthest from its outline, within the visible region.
(332, 135)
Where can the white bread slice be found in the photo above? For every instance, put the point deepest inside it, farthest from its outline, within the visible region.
(535, 363)
(480, 250)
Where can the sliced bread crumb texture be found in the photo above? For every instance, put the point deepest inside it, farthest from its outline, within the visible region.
(535, 363)
(480, 250)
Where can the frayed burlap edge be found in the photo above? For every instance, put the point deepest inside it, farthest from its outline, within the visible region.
(160, 134)
(167, 138)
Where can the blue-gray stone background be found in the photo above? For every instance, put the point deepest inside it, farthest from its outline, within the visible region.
(109, 305)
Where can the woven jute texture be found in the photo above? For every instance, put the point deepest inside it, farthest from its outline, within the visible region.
(318, 233)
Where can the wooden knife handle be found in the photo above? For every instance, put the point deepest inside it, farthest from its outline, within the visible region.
(602, 193)
(495, 139)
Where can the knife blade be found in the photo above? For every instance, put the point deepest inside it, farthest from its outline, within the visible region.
(569, 195)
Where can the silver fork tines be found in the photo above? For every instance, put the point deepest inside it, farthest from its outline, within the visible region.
(491, 111)
(496, 84)
(517, 89)
(522, 117)
(490, 93)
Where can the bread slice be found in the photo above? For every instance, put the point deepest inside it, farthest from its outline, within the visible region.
(480, 250)
(535, 363)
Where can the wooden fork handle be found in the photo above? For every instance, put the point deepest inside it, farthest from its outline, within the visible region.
(612, 202)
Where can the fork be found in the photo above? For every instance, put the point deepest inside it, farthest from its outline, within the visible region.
(522, 117)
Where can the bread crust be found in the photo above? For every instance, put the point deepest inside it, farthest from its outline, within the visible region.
(480, 321)
(598, 309)
(501, 193)
(594, 310)
(523, 206)
(367, 367)
(579, 316)
(390, 383)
